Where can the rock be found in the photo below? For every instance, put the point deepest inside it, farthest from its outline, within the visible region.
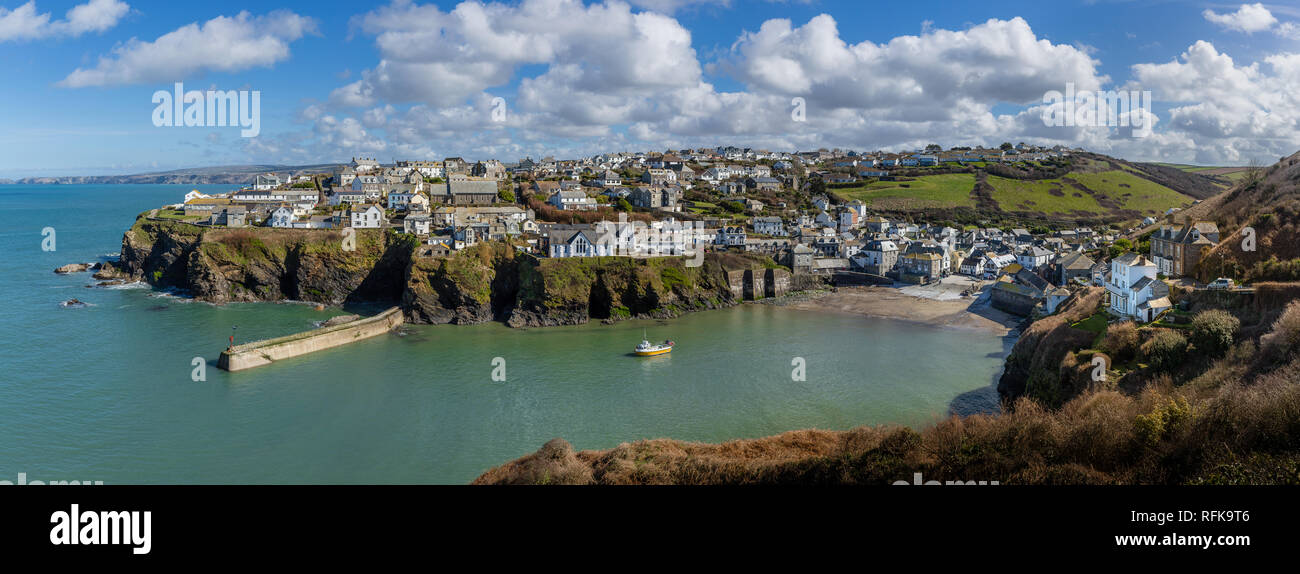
(110, 283)
(73, 303)
(108, 271)
(73, 268)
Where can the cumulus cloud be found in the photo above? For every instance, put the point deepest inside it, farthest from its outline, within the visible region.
(1249, 18)
(1231, 111)
(996, 61)
(581, 79)
(26, 23)
(442, 58)
(224, 44)
(610, 73)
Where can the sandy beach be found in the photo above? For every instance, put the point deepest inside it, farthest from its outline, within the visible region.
(938, 304)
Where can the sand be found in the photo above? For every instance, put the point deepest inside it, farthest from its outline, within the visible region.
(939, 305)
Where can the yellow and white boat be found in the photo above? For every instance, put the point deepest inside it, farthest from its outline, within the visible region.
(648, 349)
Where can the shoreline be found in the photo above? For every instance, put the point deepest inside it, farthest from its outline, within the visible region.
(886, 302)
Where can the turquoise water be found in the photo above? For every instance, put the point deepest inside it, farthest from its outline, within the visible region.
(105, 392)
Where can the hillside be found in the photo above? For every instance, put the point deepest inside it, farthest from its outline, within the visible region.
(1267, 202)
(1084, 189)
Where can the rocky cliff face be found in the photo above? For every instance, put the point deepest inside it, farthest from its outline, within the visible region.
(257, 264)
(1038, 367)
(490, 281)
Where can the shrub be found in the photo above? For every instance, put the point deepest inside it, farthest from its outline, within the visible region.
(1284, 338)
(506, 195)
(1165, 350)
(1213, 331)
(673, 277)
(1122, 340)
(1171, 417)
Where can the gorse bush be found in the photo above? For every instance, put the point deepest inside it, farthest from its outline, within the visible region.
(1213, 332)
(1171, 417)
(1166, 350)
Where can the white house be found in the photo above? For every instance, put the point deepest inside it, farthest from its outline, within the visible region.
(418, 224)
(1134, 290)
(283, 216)
(367, 216)
(364, 165)
(266, 181)
(769, 226)
(993, 263)
(572, 243)
(609, 179)
(572, 200)
(730, 235)
(1032, 257)
(877, 256)
(347, 197)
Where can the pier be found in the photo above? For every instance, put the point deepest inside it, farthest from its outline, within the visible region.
(267, 351)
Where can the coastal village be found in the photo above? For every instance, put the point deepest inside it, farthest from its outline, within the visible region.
(779, 204)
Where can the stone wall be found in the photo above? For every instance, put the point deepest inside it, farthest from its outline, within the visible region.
(267, 351)
(751, 284)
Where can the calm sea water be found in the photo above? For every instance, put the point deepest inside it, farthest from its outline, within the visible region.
(105, 392)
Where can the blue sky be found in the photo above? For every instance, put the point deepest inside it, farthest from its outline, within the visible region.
(406, 80)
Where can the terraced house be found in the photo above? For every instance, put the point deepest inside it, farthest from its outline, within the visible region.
(1177, 249)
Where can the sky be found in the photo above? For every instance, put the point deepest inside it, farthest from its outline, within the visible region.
(566, 78)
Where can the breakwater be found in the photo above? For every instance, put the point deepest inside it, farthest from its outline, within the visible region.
(267, 351)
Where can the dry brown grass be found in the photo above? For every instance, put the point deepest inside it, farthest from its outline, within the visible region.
(1122, 340)
(1283, 340)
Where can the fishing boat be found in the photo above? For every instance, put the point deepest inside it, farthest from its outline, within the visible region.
(648, 349)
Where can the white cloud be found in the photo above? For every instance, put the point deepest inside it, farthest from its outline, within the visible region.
(224, 44)
(581, 79)
(1230, 112)
(25, 23)
(442, 58)
(1249, 18)
(996, 61)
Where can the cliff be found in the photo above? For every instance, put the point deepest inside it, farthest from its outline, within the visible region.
(220, 265)
(1037, 365)
(487, 282)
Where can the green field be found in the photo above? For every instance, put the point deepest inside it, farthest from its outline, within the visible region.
(927, 191)
(1133, 192)
(1040, 196)
(1054, 196)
